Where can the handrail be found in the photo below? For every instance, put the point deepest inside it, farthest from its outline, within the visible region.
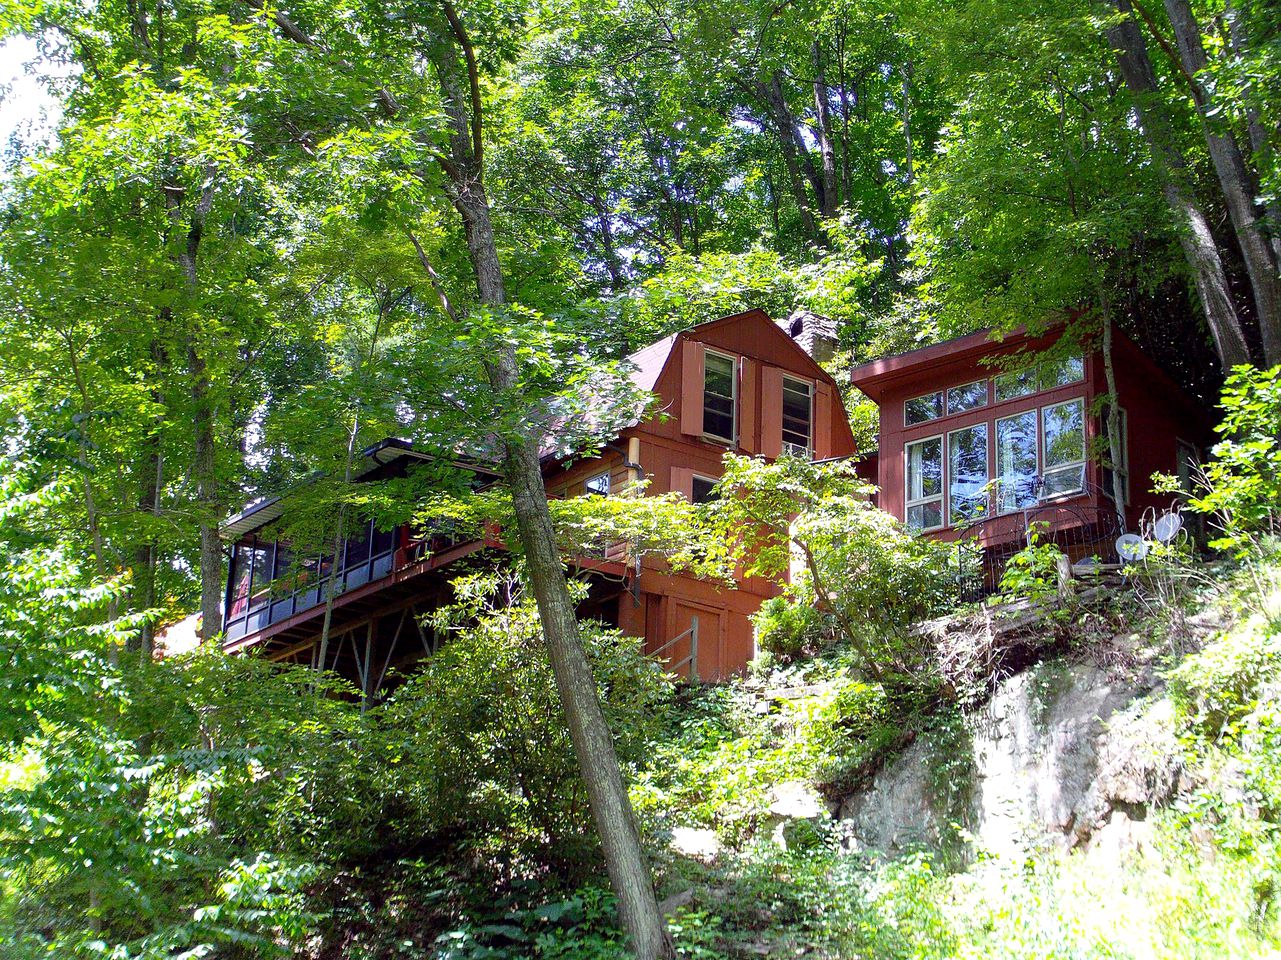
(692, 659)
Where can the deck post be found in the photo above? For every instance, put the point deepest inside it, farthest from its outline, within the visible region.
(693, 650)
(364, 674)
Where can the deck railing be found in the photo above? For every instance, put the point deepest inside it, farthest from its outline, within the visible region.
(691, 660)
(1082, 530)
(277, 602)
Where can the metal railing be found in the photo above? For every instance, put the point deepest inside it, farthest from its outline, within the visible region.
(691, 660)
(1081, 530)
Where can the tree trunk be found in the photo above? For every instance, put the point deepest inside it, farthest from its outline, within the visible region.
(1193, 230)
(613, 265)
(1262, 145)
(1113, 412)
(771, 96)
(823, 112)
(204, 469)
(145, 556)
(593, 744)
(841, 80)
(1239, 188)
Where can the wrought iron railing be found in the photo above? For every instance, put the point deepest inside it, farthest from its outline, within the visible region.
(1084, 526)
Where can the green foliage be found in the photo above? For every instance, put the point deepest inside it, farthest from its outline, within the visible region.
(1242, 483)
(854, 564)
(786, 629)
(477, 741)
(1033, 572)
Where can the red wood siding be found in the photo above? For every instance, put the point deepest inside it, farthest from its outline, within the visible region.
(1158, 412)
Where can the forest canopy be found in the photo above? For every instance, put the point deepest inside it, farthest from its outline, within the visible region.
(260, 237)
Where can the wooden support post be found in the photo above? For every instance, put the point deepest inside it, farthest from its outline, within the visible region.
(1064, 566)
(365, 692)
(693, 650)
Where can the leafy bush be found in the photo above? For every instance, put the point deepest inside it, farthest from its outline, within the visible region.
(785, 629)
(1033, 572)
(849, 561)
(478, 744)
(1243, 481)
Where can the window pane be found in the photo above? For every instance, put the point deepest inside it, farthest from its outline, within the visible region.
(1016, 461)
(704, 490)
(384, 541)
(797, 414)
(967, 472)
(1018, 384)
(1061, 372)
(1064, 428)
(240, 567)
(718, 396)
(971, 396)
(1188, 466)
(925, 516)
(259, 558)
(1063, 480)
(598, 485)
(924, 469)
(921, 409)
(358, 547)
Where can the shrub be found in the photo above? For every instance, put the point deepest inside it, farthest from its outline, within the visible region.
(1033, 572)
(786, 629)
(1242, 484)
(478, 745)
(851, 562)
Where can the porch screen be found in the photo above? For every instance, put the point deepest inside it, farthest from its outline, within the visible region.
(967, 473)
(924, 477)
(1063, 425)
(1016, 461)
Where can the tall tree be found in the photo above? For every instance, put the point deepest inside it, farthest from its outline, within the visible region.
(1204, 260)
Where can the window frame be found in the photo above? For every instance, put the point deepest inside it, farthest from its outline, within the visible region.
(733, 380)
(1043, 437)
(941, 496)
(810, 392)
(1002, 510)
(941, 393)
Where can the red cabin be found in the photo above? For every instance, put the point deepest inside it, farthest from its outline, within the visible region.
(977, 443)
(739, 384)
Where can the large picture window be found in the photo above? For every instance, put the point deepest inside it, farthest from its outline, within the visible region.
(1063, 427)
(1016, 461)
(719, 420)
(798, 417)
(967, 473)
(924, 478)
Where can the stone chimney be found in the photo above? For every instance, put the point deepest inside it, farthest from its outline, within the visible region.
(814, 334)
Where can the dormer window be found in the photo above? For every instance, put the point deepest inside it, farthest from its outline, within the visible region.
(720, 413)
(798, 417)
